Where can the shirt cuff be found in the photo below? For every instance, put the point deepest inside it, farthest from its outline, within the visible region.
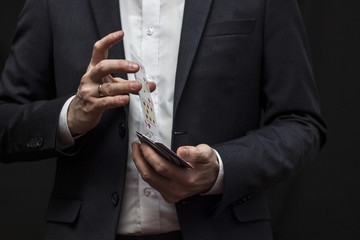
(65, 139)
(219, 184)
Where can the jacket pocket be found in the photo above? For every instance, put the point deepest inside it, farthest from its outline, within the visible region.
(230, 28)
(255, 209)
(63, 210)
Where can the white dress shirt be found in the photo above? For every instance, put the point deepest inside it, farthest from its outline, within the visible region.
(152, 29)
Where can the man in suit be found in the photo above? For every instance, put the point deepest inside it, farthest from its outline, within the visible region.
(218, 62)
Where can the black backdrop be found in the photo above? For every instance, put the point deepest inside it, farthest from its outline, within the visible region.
(321, 202)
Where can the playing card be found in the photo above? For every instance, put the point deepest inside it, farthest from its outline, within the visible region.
(147, 105)
(149, 111)
(163, 151)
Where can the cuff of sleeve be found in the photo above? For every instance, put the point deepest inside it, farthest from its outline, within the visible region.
(65, 139)
(219, 183)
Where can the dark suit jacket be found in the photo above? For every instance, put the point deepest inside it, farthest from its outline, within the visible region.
(237, 59)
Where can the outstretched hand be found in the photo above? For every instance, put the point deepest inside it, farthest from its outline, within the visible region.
(98, 90)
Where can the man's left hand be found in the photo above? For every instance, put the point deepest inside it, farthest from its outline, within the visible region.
(176, 183)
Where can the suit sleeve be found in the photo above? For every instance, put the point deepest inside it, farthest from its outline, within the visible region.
(29, 109)
(293, 130)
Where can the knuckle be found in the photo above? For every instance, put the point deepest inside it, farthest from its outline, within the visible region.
(190, 181)
(146, 176)
(146, 153)
(107, 89)
(87, 109)
(161, 169)
(84, 79)
(84, 90)
(104, 103)
(119, 101)
(101, 66)
(97, 45)
(88, 105)
(79, 93)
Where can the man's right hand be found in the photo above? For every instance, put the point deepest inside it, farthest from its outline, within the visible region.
(98, 90)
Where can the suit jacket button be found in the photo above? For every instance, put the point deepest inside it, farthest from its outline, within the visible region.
(39, 142)
(30, 143)
(115, 199)
(122, 129)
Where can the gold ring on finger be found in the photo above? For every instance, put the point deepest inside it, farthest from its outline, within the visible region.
(99, 90)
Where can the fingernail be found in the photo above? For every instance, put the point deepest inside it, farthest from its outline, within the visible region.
(184, 152)
(133, 66)
(134, 85)
(116, 34)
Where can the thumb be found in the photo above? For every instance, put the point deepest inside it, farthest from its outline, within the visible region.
(183, 152)
(187, 153)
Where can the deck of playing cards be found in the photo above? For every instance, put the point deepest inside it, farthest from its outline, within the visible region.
(151, 134)
(163, 151)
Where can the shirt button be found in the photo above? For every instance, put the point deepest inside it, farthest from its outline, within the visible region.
(147, 192)
(150, 31)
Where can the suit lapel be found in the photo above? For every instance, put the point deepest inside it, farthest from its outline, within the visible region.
(195, 16)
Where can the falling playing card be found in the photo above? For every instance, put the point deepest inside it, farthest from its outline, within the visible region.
(147, 106)
(149, 111)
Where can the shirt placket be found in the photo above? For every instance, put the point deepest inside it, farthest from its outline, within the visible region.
(148, 197)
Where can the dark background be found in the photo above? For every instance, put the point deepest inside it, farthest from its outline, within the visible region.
(321, 202)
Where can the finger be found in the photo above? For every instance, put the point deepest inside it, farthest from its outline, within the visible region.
(187, 153)
(166, 187)
(106, 67)
(101, 47)
(159, 164)
(152, 85)
(145, 170)
(109, 102)
(199, 154)
(113, 89)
